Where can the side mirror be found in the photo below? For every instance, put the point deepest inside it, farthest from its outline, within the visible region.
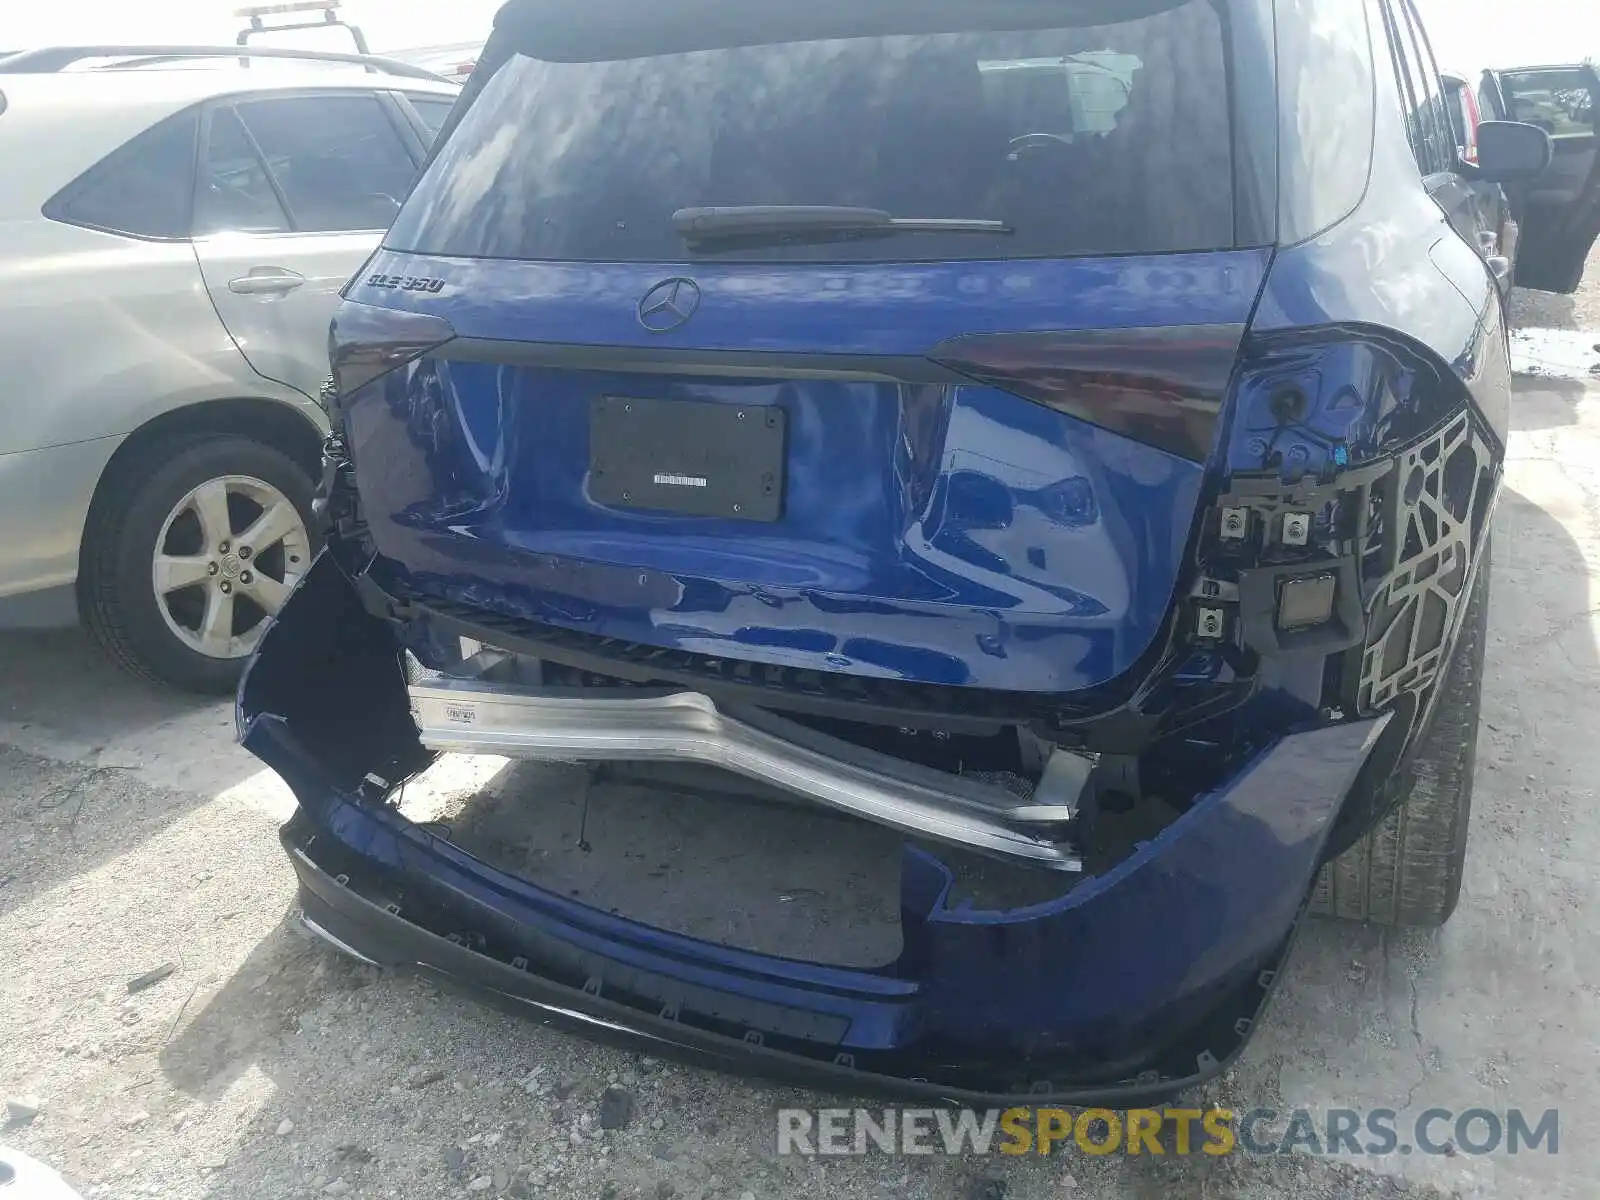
(1512, 152)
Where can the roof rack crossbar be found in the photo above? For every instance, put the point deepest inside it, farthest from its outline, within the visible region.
(330, 19)
(49, 60)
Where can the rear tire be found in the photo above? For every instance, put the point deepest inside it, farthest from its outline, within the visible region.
(1407, 870)
(160, 503)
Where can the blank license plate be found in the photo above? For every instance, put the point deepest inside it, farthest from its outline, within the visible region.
(688, 456)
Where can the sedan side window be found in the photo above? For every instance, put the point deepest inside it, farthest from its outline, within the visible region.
(433, 111)
(236, 193)
(144, 189)
(338, 162)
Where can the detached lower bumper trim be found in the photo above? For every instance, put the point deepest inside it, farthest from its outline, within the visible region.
(479, 717)
(1126, 989)
(314, 928)
(340, 914)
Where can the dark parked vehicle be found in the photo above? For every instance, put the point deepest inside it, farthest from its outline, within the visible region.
(1065, 432)
(1560, 210)
(1563, 203)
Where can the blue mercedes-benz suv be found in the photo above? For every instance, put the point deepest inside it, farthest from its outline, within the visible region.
(1063, 433)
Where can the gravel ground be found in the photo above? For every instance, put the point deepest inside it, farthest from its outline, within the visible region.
(179, 1036)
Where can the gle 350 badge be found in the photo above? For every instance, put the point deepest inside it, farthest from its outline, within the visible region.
(406, 283)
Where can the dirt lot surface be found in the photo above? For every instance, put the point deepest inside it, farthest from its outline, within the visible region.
(179, 1035)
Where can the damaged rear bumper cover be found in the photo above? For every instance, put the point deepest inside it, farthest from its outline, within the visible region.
(1135, 985)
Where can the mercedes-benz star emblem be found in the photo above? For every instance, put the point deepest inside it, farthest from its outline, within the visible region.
(669, 304)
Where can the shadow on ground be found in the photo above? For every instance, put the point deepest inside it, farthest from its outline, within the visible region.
(1542, 310)
(287, 974)
(59, 680)
(1545, 403)
(94, 762)
(64, 821)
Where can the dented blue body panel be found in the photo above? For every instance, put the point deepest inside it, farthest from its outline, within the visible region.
(1074, 998)
(994, 525)
(937, 532)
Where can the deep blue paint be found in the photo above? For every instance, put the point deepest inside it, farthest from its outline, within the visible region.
(1213, 892)
(1124, 959)
(997, 543)
(1398, 265)
(1220, 887)
(857, 308)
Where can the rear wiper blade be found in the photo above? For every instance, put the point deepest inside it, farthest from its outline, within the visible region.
(782, 222)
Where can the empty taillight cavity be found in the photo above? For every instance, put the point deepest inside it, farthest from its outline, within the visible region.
(1316, 403)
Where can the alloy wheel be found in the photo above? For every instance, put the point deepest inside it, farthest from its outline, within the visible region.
(228, 555)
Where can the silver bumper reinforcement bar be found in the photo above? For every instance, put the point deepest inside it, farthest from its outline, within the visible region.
(481, 717)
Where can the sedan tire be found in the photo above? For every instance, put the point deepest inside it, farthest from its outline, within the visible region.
(194, 546)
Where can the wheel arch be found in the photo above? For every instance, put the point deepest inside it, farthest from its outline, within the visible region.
(260, 438)
(282, 426)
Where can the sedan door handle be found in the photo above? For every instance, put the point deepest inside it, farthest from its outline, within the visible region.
(266, 281)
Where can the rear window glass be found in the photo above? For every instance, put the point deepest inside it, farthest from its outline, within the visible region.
(1110, 139)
